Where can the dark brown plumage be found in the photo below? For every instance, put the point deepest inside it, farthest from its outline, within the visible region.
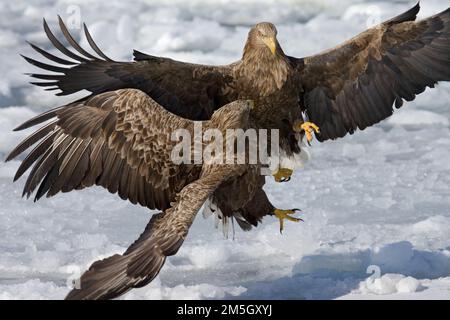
(356, 84)
(119, 136)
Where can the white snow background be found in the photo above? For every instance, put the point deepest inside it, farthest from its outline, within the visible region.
(376, 202)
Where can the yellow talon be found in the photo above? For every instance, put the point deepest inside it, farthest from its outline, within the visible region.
(308, 128)
(283, 175)
(285, 214)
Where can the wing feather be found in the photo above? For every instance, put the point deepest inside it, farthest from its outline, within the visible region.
(357, 84)
(195, 93)
(114, 140)
(163, 236)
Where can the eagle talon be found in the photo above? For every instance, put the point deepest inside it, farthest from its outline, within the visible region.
(283, 175)
(308, 128)
(286, 214)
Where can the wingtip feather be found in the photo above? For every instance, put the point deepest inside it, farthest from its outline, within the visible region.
(410, 15)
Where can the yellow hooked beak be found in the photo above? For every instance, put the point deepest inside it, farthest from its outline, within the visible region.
(271, 43)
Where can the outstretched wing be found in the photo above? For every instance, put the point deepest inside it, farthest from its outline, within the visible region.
(188, 90)
(115, 140)
(356, 84)
(163, 236)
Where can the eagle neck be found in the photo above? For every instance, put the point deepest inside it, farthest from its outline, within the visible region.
(264, 71)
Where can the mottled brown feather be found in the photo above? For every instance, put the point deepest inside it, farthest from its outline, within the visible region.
(93, 140)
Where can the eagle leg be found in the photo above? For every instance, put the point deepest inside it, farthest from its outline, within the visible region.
(286, 214)
(283, 175)
(308, 128)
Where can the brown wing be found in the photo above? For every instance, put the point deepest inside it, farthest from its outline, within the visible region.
(114, 140)
(188, 90)
(356, 84)
(163, 236)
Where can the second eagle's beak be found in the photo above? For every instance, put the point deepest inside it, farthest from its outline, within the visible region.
(271, 43)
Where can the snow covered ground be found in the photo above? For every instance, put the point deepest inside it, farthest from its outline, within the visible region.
(376, 205)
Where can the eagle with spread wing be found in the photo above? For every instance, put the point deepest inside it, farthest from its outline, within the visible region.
(118, 136)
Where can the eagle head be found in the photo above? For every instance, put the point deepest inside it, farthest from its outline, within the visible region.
(263, 36)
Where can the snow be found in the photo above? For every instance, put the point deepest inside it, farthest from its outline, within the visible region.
(376, 205)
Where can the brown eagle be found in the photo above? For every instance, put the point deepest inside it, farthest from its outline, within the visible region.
(118, 136)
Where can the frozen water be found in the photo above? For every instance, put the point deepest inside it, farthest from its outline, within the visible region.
(376, 205)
